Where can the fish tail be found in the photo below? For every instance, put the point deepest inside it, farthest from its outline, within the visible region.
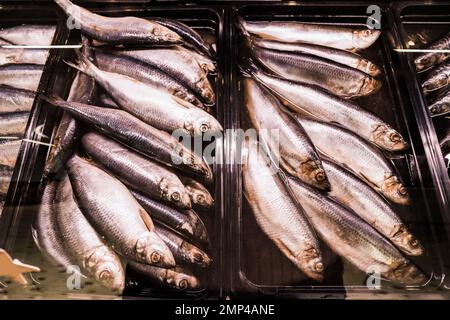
(53, 99)
(83, 64)
(248, 68)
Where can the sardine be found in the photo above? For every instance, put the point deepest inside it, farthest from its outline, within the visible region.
(284, 136)
(344, 57)
(8, 152)
(350, 191)
(13, 124)
(116, 215)
(200, 196)
(118, 30)
(186, 222)
(29, 34)
(353, 239)
(6, 173)
(437, 78)
(136, 171)
(441, 106)
(105, 100)
(277, 214)
(351, 151)
(339, 37)
(15, 100)
(84, 245)
(21, 76)
(428, 59)
(339, 79)
(317, 103)
(22, 55)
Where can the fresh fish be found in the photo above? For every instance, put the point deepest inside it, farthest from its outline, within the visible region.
(186, 222)
(315, 102)
(191, 37)
(179, 65)
(208, 65)
(353, 239)
(118, 30)
(22, 55)
(8, 152)
(351, 151)
(157, 108)
(344, 57)
(339, 79)
(284, 136)
(441, 106)
(115, 214)
(105, 100)
(29, 34)
(147, 74)
(15, 100)
(339, 37)
(84, 245)
(433, 56)
(136, 134)
(177, 278)
(136, 171)
(5, 178)
(21, 76)
(13, 124)
(277, 214)
(347, 189)
(183, 251)
(437, 78)
(200, 196)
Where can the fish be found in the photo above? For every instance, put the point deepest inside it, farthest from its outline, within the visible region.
(365, 160)
(283, 135)
(208, 65)
(113, 211)
(199, 195)
(6, 173)
(339, 79)
(340, 56)
(191, 37)
(183, 251)
(22, 55)
(141, 137)
(278, 215)
(13, 124)
(136, 171)
(29, 34)
(441, 106)
(155, 107)
(178, 278)
(186, 222)
(8, 152)
(15, 100)
(353, 193)
(84, 245)
(22, 76)
(433, 56)
(179, 65)
(105, 100)
(339, 37)
(353, 239)
(118, 30)
(437, 78)
(316, 102)
(147, 74)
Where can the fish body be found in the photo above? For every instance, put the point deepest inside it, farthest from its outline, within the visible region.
(441, 106)
(437, 78)
(200, 196)
(29, 34)
(15, 100)
(13, 124)
(8, 152)
(5, 179)
(21, 76)
(19, 55)
(433, 56)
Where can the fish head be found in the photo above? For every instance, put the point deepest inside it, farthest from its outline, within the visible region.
(150, 249)
(364, 38)
(311, 171)
(439, 108)
(204, 124)
(394, 190)
(106, 268)
(200, 198)
(165, 34)
(311, 263)
(174, 192)
(208, 93)
(369, 67)
(406, 241)
(195, 255)
(370, 85)
(438, 81)
(389, 138)
(407, 274)
(423, 62)
(182, 280)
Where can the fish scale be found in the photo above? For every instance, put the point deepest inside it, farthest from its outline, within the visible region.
(23, 76)
(13, 124)
(15, 100)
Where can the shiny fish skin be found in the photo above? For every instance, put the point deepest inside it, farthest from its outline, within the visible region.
(136, 171)
(118, 30)
(365, 160)
(8, 152)
(339, 37)
(437, 78)
(15, 100)
(116, 215)
(183, 251)
(441, 106)
(371, 207)
(278, 216)
(426, 60)
(5, 179)
(13, 124)
(22, 76)
(84, 245)
(339, 79)
(29, 34)
(200, 196)
(136, 134)
(344, 57)
(317, 103)
(34, 56)
(295, 151)
(186, 222)
(353, 239)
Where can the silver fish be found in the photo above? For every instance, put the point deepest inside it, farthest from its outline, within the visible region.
(116, 215)
(437, 78)
(317, 103)
(433, 56)
(368, 162)
(339, 79)
(13, 124)
(136, 171)
(118, 30)
(21, 76)
(441, 106)
(200, 196)
(29, 34)
(84, 245)
(285, 138)
(15, 100)
(344, 57)
(22, 55)
(371, 207)
(277, 214)
(6, 173)
(205, 63)
(8, 152)
(339, 37)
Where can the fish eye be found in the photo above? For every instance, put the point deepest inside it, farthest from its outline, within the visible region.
(395, 137)
(105, 275)
(155, 257)
(204, 127)
(318, 266)
(183, 284)
(200, 198)
(320, 176)
(414, 243)
(402, 190)
(175, 196)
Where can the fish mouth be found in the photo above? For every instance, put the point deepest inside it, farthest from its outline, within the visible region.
(395, 191)
(389, 138)
(407, 242)
(406, 274)
(311, 264)
(370, 85)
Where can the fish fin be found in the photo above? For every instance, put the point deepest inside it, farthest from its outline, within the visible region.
(83, 64)
(147, 220)
(53, 99)
(366, 180)
(34, 235)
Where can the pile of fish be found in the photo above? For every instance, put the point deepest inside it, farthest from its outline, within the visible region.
(20, 72)
(120, 188)
(319, 171)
